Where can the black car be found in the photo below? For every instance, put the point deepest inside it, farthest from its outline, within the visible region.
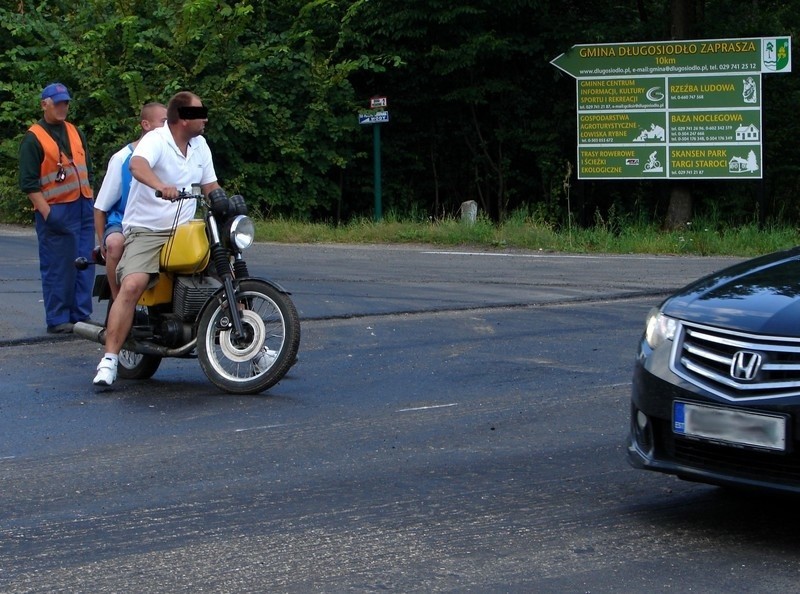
(716, 385)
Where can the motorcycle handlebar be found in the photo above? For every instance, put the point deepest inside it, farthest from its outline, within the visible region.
(182, 195)
(82, 263)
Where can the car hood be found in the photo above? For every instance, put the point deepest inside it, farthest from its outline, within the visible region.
(760, 296)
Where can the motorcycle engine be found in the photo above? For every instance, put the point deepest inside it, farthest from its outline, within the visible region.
(173, 332)
(190, 294)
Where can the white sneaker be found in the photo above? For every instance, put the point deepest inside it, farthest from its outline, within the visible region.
(264, 360)
(106, 372)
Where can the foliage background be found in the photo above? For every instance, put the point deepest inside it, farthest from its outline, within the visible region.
(477, 110)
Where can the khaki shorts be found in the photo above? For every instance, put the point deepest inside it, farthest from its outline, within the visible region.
(141, 253)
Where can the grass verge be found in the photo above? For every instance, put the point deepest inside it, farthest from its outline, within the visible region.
(700, 237)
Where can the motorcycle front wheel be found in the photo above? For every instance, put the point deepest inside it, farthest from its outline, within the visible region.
(259, 359)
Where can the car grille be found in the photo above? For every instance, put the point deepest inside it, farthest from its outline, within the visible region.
(735, 365)
(744, 463)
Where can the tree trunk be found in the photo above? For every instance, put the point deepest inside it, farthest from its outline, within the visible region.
(680, 206)
(683, 19)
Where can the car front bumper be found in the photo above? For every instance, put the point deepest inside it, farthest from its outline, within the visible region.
(652, 444)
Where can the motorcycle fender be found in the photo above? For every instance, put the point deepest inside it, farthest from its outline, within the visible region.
(273, 284)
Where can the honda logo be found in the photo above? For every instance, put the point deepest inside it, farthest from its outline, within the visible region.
(745, 365)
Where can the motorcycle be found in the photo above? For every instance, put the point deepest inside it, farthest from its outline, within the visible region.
(244, 331)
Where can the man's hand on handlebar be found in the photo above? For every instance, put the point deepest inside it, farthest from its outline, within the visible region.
(168, 193)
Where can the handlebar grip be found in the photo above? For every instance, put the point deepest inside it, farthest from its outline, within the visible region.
(181, 195)
(159, 194)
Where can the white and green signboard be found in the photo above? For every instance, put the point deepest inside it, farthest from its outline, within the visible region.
(678, 109)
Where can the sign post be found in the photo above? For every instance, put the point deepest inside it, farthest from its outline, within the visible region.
(673, 109)
(376, 158)
(375, 118)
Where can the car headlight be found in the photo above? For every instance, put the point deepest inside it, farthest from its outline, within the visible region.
(242, 232)
(660, 328)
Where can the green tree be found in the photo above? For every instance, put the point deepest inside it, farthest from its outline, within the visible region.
(281, 106)
(477, 110)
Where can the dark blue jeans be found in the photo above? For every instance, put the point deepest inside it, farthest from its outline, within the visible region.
(67, 233)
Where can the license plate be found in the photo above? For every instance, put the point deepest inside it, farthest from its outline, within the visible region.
(729, 426)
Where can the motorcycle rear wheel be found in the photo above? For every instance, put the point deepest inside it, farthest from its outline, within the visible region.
(137, 366)
(258, 360)
(134, 365)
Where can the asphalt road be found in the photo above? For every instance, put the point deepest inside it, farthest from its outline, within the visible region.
(455, 424)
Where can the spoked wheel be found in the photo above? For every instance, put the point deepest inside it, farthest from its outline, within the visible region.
(135, 365)
(259, 359)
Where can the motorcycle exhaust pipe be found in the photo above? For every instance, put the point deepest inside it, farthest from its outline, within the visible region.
(97, 333)
(148, 348)
(90, 331)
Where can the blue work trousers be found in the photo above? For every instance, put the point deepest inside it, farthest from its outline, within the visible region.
(67, 234)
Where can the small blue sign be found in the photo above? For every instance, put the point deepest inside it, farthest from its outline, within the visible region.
(378, 117)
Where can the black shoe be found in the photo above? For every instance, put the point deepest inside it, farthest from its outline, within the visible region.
(65, 328)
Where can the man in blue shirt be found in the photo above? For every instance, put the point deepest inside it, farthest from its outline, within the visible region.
(113, 195)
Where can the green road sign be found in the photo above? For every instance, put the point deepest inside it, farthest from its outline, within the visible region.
(702, 56)
(704, 127)
(622, 162)
(621, 93)
(692, 127)
(716, 161)
(625, 127)
(714, 91)
(679, 109)
(710, 161)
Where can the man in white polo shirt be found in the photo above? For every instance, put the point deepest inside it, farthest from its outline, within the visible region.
(168, 160)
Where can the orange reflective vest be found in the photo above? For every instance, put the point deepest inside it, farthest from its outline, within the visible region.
(75, 182)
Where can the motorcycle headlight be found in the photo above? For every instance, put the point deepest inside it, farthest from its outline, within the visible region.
(241, 232)
(660, 328)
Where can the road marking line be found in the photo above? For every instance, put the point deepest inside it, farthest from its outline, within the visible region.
(428, 407)
(259, 428)
(574, 256)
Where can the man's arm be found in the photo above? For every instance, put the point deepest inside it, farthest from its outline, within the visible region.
(141, 171)
(100, 224)
(110, 193)
(39, 203)
(210, 187)
(111, 188)
(89, 166)
(30, 160)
